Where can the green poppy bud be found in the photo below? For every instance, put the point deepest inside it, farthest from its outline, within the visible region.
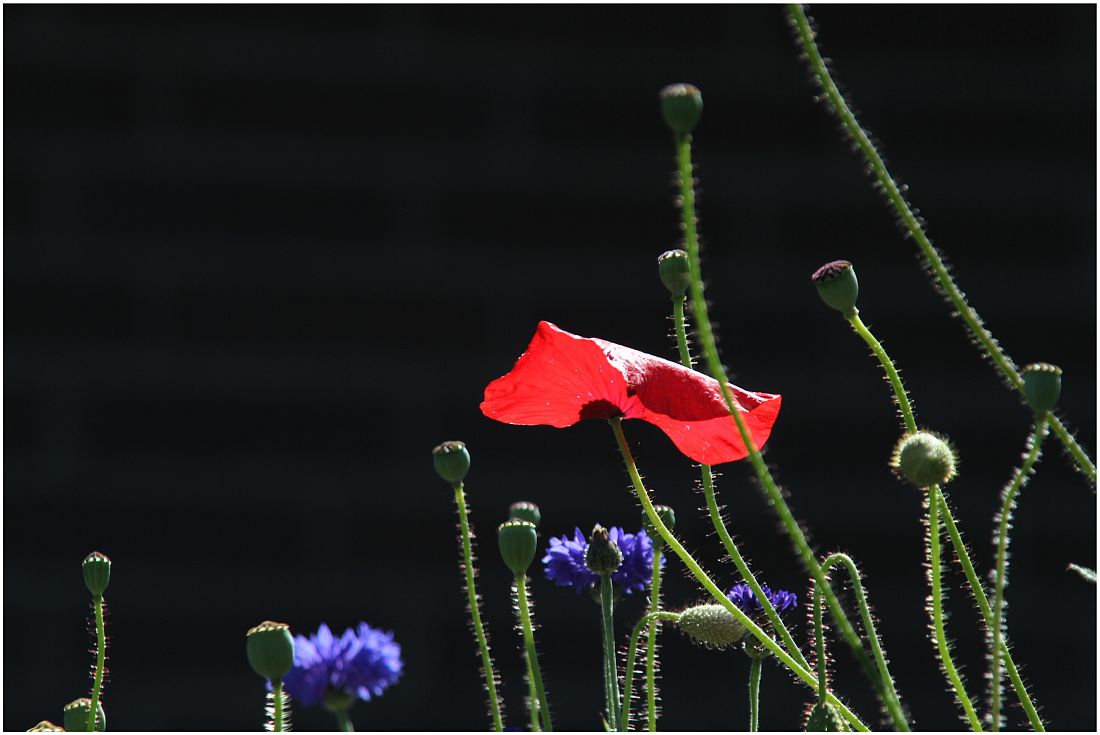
(46, 726)
(270, 649)
(675, 271)
(452, 461)
(711, 625)
(525, 510)
(682, 106)
(837, 286)
(924, 459)
(667, 516)
(1042, 386)
(518, 542)
(602, 555)
(76, 716)
(824, 717)
(97, 573)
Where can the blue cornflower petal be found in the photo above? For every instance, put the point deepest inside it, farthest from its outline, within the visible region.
(743, 596)
(362, 662)
(564, 561)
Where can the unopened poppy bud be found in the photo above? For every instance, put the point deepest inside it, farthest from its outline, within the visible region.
(452, 461)
(46, 726)
(682, 106)
(824, 717)
(667, 516)
(675, 271)
(924, 459)
(518, 542)
(602, 555)
(525, 510)
(270, 649)
(97, 573)
(837, 286)
(76, 716)
(1042, 386)
(712, 625)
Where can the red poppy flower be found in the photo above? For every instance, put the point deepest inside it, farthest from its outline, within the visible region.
(563, 378)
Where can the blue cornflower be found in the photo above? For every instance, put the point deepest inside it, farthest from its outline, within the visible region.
(742, 596)
(564, 561)
(359, 664)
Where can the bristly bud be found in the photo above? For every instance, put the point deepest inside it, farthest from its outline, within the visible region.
(602, 556)
(46, 726)
(837, 286)
(675, 271)
(712, 625)
(97, 573)
(824, 717)
(518, 542)
(753, 648)
(682, 106)
(525, 510)
(270, 649)
(667, 516)
(924, 459)
(1042, 386)
(452, 461)
(76, 716)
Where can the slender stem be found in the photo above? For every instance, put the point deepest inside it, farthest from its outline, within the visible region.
(540, 704)
(935, 571)
(990, 346)
(651, 647)
(819, 634)
(631, 657)
(607, 607)
(277, 699)
(681, 331)
(708, 584)
(755, 671)
(904, 407)
(487, 670)
(1000, 579)
(532, 700)
(343, 719)
(100, 660)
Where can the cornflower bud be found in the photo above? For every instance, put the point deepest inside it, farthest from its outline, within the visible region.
(270, 649)
(837, 286)
(452, 461)
(518, 542)
(667, 516)
(924, 459)
(602, 556)
(76, 716)
(711, 625)
(525, 510)
(97, 573)
(1042, 386)
(675, 271)
(682, 106)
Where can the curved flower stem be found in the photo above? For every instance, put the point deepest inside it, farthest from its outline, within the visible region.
(905, 408)
(935, 571)
(755, 671)
(631, 657)
(710, 350)
(1035, 442)
(100, 661)
(651, 648)
(611, 664)
(539, 704)
(708, 584)
(475, 610)
(912, 224)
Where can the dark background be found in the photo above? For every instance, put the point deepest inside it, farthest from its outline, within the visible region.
(259, 260)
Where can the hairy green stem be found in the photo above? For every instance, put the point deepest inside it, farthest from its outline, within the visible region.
(962, 308)
(651, 647)
(100, 660)
(819, 636)
(900, 396)
(755, 670)
(278, 703)
(708, 584)
(488, 672)
(540, 704)
(611, 664)
(632, 655)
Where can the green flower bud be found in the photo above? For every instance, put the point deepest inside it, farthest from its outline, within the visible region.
(518, 542)
(1042, 386)
(682, 106)
(602, 556)
(97, 573)
(46, 726)
(76, 716)
(452, 461)
(711, 625)
(824, 717)
(270, 650)
(667, 516)
(924, 459)
(525, 510)
(675, 271)
(837, 286)
(753, 648)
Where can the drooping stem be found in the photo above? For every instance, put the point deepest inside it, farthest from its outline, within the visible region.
(631, 657)
(912, 224)
(708, 584)
(534, 671)
(100, 661)
(611, 664)
(935, 572)
(755, 671)
(651, 647)
(1034, 442)
(487, 670)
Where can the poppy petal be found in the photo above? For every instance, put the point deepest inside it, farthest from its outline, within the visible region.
(716, 441)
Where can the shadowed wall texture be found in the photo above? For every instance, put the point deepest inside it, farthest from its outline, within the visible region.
(260, 260)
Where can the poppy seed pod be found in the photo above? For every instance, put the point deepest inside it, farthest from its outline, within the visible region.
(824, 717)
(525, 510)
(602, 555)
(452, 461)
(667, 516)
(518, 542)
(76, 716)
(97, 573)
(270, 650)
(1042, 386)
(837, 286)
(682, 106)
(924, 459)
(675, 271)
(712, 625)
